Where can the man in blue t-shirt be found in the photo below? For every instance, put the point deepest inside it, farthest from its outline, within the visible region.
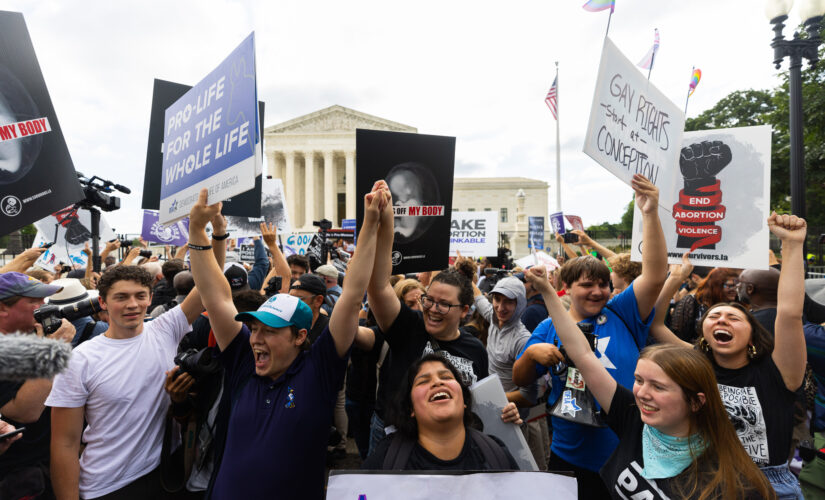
(281, 391)
(621, 326)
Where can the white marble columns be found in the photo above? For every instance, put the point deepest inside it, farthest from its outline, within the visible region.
(330, 191)
(350, 184)
(309, 189)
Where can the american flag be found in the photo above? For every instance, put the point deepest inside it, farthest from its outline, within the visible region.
(551, 99)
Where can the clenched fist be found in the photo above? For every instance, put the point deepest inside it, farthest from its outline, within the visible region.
(704, 160)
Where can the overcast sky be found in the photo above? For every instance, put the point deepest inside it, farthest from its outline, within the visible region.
(477, 70)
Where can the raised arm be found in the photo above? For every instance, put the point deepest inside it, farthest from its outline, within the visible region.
(219, 246)
(587, 240)
(343, 324)
(383, 301)
(595, 375)
(280, 267)
(658, 330)
(111, 246)
(180, 253)
(24, 261)
(654, 253)
(789, 353)
(215, 292)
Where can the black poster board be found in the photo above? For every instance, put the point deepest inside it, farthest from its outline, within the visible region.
(419, 171)
(37, 176)
(165, 94)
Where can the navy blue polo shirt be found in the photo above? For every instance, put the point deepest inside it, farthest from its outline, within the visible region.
(277, 436)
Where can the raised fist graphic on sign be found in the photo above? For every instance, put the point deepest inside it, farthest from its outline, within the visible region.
(699, 206)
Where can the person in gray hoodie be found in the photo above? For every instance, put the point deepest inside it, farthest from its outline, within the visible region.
(506, 338)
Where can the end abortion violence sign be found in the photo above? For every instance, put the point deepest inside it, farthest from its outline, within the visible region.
(633, 127)
(210, 136)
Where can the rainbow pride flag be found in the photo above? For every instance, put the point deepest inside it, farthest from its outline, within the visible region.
(598, 5)
(694, 81)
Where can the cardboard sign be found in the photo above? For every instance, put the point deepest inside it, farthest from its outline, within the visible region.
(424, 485)
(165, 94)
(69, 229)
(557, 222)
(297, 243)
(575, 221)
(722, 200)
(419, 171)
(37, 176)
(474, 234)
(272, 209)
(535, 235)
(210, 136)
(176, 233)
(633, 127)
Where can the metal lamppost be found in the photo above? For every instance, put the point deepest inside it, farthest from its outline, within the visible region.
(796, 49)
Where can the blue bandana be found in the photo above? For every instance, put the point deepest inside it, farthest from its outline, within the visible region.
(667, 456)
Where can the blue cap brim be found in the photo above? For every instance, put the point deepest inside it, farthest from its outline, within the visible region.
(266, 318)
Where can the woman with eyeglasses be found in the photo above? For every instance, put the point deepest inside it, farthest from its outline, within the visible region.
(718, 286)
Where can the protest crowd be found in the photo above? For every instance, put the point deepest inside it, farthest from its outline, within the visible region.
(215, 369)
(204, 377)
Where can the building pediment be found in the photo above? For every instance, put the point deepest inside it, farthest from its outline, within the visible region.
(336, 119)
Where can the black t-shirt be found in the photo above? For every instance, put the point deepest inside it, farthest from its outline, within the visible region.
(761, 409)
(408, 340)
(317, 327)
(33, 447)
(471, 457)
(622, 471)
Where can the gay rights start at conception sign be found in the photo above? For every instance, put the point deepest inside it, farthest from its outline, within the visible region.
(210, 136)
(633, 127)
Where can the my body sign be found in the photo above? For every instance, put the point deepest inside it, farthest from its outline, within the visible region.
(210, 136)
(633, 127)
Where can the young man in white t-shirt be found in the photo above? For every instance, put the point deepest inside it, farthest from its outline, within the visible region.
(115, 381)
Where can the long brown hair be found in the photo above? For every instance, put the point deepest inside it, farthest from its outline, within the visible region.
(726, 471)
(711, 290)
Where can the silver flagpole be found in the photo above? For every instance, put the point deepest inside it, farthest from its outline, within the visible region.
(558, 147)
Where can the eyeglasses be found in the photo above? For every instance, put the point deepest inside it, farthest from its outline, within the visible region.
(440, 307)
(731, 285)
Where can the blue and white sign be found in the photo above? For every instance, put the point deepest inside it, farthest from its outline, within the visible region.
(210, 136)
(535, 235)
(557, 222)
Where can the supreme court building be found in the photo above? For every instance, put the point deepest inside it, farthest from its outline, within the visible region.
(314, 155)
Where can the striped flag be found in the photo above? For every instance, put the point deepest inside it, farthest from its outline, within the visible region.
(551, 99)
(647, 62)
(694, 81)
(598, 5)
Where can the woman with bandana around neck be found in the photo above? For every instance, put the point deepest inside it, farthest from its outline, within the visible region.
(675, 439)
(758, 374)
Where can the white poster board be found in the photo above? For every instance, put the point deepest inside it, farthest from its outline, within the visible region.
(722, 201)
(474, 234)
(633, 127)
(352, 485)
(273, 209)
(488, 401)
(69, 229)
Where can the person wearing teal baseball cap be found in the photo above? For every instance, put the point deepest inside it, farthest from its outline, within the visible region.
(283, 392)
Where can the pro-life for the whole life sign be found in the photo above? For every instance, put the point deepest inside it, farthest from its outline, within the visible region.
(633, 127)
(722, 200)
(210, 136)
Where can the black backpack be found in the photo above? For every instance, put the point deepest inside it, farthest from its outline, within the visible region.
(401, 448)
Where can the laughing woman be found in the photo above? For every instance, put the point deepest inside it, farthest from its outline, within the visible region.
(432, 417)
(757, 374)
(675, 439)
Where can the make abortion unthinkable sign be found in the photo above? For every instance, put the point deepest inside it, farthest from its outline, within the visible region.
(633, 127)
(210, 136)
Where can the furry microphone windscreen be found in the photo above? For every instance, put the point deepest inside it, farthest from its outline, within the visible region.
(24, 357)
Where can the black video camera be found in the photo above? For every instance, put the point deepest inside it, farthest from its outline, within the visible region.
(570, 237)
(273, 286)
(50, 315)
(197, 362)
(145, 253)
(95, 192)
(492, 277)
(324, 224)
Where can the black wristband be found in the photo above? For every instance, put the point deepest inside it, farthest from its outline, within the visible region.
(221, 237)
(200, 247)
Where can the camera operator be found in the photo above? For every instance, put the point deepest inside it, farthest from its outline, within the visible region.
(76, 304)
(25, 465)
